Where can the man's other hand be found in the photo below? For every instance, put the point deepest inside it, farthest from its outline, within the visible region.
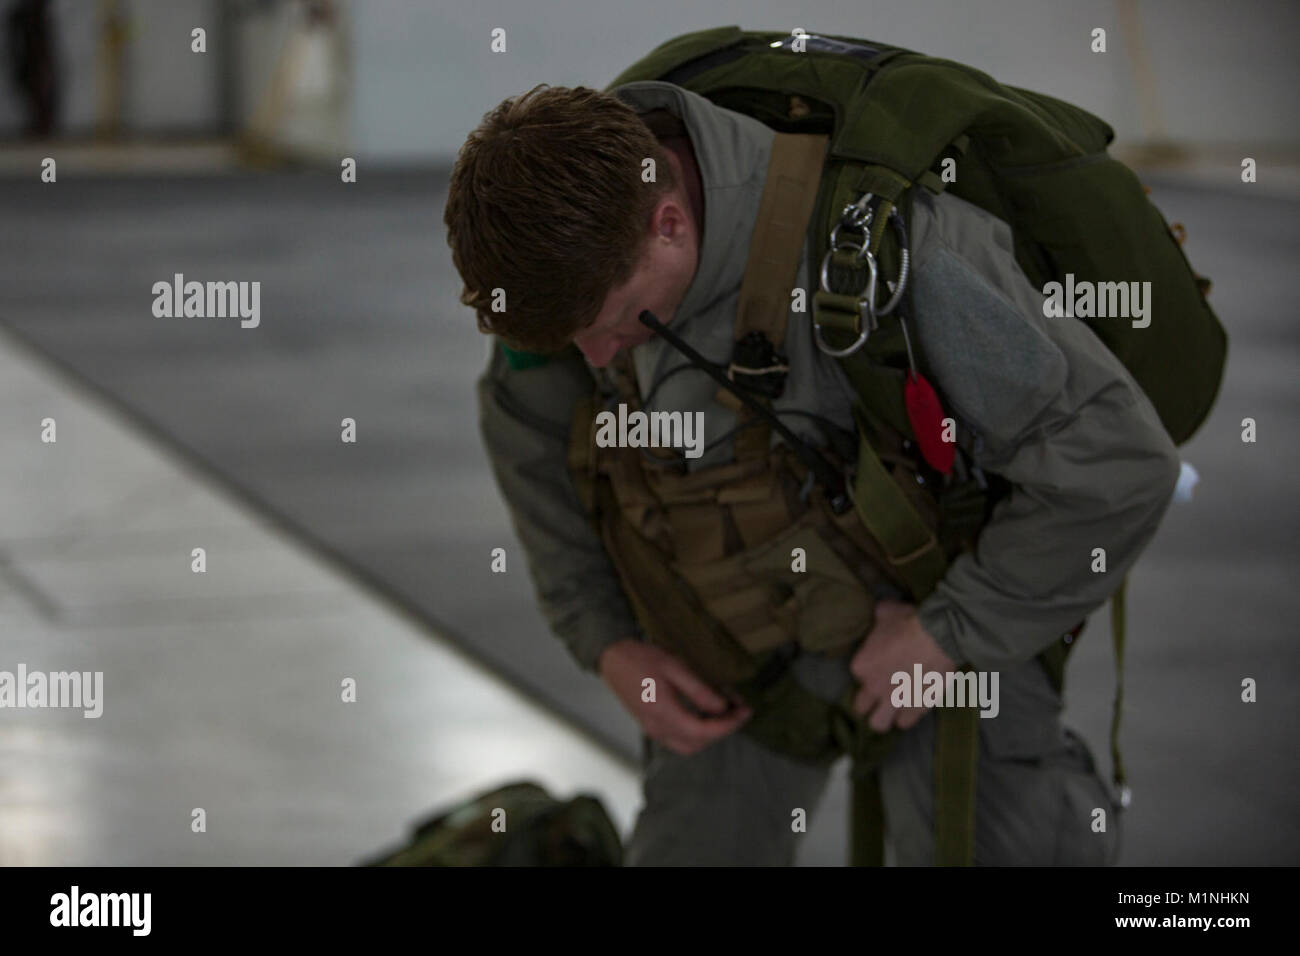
(897, 642)
(626, 664)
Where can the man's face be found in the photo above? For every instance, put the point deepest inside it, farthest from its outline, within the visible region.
(662, 276)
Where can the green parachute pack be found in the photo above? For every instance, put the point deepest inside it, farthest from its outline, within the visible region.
(518, 824)
(894, 117)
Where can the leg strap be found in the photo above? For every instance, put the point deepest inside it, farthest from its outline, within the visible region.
(1117, 637)
(866, 820)
(956, 752)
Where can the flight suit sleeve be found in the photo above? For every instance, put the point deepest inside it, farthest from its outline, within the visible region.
(524, 420)
(1056, 414)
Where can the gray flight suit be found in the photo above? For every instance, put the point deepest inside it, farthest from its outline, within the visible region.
(1041, 402)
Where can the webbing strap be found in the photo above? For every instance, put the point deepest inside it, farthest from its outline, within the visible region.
(956, 752)
(909, 544)
(879, 224)
(931, 181)
(794, 173)
(914, 552)
(789, 192)
(880, 389)
(880, 181)
(866, 818)
(1117, 638)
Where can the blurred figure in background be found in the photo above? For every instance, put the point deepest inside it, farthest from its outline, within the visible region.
(29, 42)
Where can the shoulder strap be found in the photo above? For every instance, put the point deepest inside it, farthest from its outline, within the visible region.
(794, 174)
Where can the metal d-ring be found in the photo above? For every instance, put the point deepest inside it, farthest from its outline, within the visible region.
(841, 245)
(859, 215)
(866, 308)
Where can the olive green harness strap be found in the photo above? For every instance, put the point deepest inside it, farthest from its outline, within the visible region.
(909, 544)
(1117, 611)
(914, 552)
(956, 759)
(866, 821)
(956, 753)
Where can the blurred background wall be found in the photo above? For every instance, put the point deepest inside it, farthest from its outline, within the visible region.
(1199, 73)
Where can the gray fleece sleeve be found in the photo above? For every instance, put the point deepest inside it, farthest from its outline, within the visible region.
(524, 419)
(1058, 416)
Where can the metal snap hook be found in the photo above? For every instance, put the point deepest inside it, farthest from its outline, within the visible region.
(866, 307)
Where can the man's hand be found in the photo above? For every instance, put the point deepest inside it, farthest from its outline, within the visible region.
(625, 664)
(896, 643)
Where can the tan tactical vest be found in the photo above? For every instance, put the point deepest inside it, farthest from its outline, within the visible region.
(755, 540)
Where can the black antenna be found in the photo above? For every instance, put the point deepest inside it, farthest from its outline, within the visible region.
(827, 476)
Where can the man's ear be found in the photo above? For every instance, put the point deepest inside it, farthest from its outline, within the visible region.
(665, 221)
(664, 227)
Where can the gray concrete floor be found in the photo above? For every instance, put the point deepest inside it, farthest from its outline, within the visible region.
(222, 690)
(360, 319)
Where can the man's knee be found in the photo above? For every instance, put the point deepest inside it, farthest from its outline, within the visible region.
(1091, 825)
(1048, 810)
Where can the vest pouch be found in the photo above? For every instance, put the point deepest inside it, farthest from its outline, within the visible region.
(665, 606)
(763, 602)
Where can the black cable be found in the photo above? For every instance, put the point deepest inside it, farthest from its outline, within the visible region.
(663, 378)
(828, 428)
(681, 456)
(612, 400)
(831, 480)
